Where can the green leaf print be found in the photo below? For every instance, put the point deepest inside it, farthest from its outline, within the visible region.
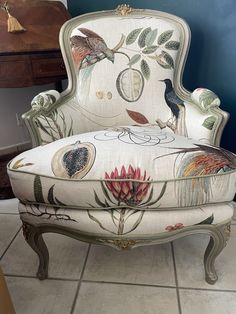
(164, 37)
(169, 60)
(209, 122)
(145, 69)
(133, 36)
(206, 98)
(151, 37)
(150, 49)
(38, 191)
(207, 221)
(172, 45)
(134, 59)
(142, 37)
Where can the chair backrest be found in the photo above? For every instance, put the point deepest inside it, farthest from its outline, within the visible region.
(120, 66)
(125, 68)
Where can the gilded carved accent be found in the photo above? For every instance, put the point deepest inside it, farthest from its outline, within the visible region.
(122, 244)
(123, 9)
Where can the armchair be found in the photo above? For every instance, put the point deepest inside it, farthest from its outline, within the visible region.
(126, 156)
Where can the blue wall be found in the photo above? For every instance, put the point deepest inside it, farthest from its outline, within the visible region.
(212, 57)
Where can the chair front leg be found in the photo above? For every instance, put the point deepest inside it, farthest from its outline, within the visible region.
(218, 240)
(34, 238)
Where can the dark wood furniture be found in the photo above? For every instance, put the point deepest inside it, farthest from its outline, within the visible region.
(32, 57)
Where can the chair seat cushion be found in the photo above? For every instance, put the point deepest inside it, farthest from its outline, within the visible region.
(125, 167)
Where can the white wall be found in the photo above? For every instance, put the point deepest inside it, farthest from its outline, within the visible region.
(15, 101)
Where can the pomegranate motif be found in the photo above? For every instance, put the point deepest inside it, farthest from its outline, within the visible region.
(73, 161)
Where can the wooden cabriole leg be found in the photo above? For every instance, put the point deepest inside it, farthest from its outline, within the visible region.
(218, 240)
(219, 235)
(34, 238)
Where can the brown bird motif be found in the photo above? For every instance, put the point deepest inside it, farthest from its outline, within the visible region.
(206, 161)
(198, 163)
(90, 49)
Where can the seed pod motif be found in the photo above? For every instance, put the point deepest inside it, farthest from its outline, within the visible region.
(109, 95)
(129, 84)
(73, 161)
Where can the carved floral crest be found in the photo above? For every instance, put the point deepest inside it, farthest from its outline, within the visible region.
(123, 9)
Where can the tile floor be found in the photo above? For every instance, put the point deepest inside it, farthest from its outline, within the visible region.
(91, 279)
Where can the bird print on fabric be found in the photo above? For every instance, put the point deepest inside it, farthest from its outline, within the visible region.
(199, 163)
(206, 161)
(89, 49)
(177, 121)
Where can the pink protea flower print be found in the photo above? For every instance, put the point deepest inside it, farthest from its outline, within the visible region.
(129, 192)
(175, 227)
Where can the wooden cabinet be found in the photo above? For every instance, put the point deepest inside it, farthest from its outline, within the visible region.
(47, 66)
(31, 69)
(32, 57)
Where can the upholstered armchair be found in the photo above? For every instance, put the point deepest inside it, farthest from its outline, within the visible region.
(125, 156)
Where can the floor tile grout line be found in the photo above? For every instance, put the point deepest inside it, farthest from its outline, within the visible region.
(128, 284)
(16, 214)
(176, 278)
(4, 252)
(123, 283)
(206, 289)
(156, 286)
(34, 277)
(80, 281)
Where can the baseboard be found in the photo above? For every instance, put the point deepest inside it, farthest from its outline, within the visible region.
(16, 148)
(6, 154)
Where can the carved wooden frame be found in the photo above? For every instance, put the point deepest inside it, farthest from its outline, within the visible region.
(219, 236)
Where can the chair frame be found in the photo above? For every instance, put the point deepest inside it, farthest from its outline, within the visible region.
(219, 236)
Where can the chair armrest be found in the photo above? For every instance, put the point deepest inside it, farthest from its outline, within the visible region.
(43, 101)
(206, 121)
(50, 118)
(205, 99)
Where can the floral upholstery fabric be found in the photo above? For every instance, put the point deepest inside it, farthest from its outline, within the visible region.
(125, 221)
(118, 72)
(125, 167)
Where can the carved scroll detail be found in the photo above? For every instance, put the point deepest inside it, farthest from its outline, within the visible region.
(123, 9)
(121, 244)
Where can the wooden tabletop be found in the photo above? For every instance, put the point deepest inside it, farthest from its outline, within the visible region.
(42, 20)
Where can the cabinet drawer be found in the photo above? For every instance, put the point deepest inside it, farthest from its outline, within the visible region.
(15, 72)
(48, 67)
